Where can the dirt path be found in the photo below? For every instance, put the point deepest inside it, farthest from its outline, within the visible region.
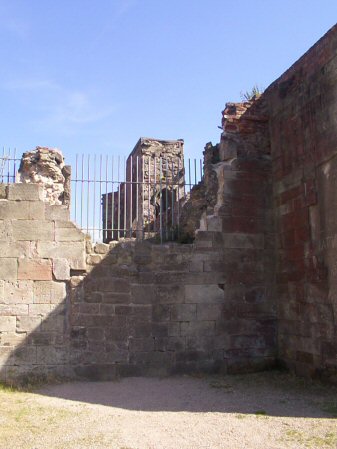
(265, 411)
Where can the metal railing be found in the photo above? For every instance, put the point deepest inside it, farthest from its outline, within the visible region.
(9, 165)
(139, 197)
(115, 197)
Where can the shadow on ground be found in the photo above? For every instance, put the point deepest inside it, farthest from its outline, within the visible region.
(269, 393)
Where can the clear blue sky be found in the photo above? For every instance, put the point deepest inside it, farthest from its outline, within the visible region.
(94, 76)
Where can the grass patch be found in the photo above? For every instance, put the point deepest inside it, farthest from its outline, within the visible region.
(311, 441)
(260, 412)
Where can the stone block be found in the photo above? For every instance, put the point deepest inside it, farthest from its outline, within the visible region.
(8, 269)
(116, 298)
(25, 192)
(3, 191)
(101, 248)
(46, 292)
(207, 294)
(66, 231)
(33, 230)
(174, 329)
(198, 328)
(74, 253)
(16, 292)
(39, 309)
(51, 355)
(61, 269)
(142, 294)
(16, 249)
(94, 259)
(57, 212)
(5, 230)
(161, 312)
(169, 294)
(35, 269)
(183, 312)
(21, 210)
(141, 344)
(11, 339)
(7, 323)
(53, 323)
(27, 323)
(25, 354)
(13, 309)
(209, 311)
(244, 241)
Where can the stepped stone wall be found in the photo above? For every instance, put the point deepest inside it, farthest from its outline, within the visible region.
(256, 287)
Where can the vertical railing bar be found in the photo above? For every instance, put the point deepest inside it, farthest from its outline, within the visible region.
(172, 201)
(100, 231)
(161, 199)
(88, 192)
(155, 196)
(82, 190)
(75, 196)
(3, 164)
(166, 200)
(195, 172)
(189, 174)
(112, 198)
(118, 205)
(178, 208)
(131, 179)
(125, 194)
(94, 199)
(201, 174)
(137, 194)
(14, 165)
(106, 199)
(8, 164)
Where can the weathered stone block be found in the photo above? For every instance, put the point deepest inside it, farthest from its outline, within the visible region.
(66, 231)
(101, 248)
(35, 269)
(56, 212)
(61, 269)
(13, 309)
(11, 339)
(7, 323)
(16, 249)
(49, 292)
(3, 191)
(51, 355)
(246, 241)
(8, 269)
(33, 230)
(15, 292)
(25, 192)
(198, 328)
(169, 294)
(212, 293)
(161, 312)
(142, 294)
(39, 309)
(74, 253)
(18, 210)
(27, 323)
(5, 230)
(209, 311)
(183, 312)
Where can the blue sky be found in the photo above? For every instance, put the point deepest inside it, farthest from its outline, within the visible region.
(94, 76)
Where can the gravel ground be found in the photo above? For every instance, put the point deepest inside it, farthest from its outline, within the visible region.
(266, 411)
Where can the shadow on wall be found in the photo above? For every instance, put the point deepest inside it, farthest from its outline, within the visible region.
(141, 310)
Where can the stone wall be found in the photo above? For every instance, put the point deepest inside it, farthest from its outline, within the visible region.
(128, 308)
(302, 106)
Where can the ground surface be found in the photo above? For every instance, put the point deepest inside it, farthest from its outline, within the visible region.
(265, 411)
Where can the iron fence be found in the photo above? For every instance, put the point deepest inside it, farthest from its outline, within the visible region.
(138, 196)
(9, 165)
(115, 197)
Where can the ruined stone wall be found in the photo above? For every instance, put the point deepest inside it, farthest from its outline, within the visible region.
(302, 106)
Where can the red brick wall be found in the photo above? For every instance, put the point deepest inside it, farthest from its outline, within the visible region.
(303, 131)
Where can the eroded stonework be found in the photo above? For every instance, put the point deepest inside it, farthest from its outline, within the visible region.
(46, 166)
